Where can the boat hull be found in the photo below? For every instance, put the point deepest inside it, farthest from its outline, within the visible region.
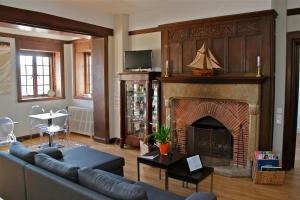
(203, 72)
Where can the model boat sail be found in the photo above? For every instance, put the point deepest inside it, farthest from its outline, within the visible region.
(204, 62)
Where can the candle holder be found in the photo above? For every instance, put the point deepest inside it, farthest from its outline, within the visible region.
(167, 69)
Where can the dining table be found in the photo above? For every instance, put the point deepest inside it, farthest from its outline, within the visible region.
(51, 128)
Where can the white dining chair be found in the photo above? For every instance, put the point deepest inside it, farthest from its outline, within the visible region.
(62, 123)
(36, 124)
(7, 135)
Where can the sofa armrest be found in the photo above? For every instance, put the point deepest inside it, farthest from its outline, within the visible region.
(202, 196)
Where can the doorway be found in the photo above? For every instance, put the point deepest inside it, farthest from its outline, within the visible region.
(291, 139)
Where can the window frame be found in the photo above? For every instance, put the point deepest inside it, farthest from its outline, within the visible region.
(88, 73)
(35, 54)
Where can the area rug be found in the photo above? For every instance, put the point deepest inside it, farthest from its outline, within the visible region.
(62, 145)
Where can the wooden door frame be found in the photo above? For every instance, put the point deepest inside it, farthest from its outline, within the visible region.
(291, 100)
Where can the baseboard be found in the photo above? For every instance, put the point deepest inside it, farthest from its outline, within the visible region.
(27, 137)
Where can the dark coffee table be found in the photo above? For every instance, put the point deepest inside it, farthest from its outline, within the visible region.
(179, 171)
(160, 161)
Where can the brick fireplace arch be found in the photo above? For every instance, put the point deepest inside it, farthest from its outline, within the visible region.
(232, 114)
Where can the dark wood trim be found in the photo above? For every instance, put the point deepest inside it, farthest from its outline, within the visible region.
(47, 21)
(214, 79)
(100, 89)
(291, 101)
(28, 137)
(143, 31)
(218, 19)
(15, 36)
(293, 11)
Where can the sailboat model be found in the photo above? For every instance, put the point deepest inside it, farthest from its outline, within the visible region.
(204, 62)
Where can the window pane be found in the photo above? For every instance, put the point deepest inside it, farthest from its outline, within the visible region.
(46, 80)
(23, 70)
(40, 80)
(40, 90)
(29, 80)
(46, 71)
(39, 70)
(22, 60)
(39, 60)
(30, 90)
(29, 70)
(46, 89)
(46, 61)
(28, 60)
(23, 80)
(24, 93)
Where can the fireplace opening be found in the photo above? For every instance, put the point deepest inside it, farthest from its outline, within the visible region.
(211, 140)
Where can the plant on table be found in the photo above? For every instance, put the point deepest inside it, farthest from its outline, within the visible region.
(162, 136)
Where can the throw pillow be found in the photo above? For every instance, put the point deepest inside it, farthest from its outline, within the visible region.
(116, 188)
(57, 167)
(17, 149)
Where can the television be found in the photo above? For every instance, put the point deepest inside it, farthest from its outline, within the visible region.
(138, 60)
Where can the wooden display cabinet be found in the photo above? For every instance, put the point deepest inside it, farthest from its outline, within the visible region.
(140, 106)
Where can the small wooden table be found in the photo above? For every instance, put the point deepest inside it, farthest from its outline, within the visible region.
(179, 171)
(160, 161)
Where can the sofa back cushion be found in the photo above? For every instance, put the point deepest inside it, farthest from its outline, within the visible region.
(57, 167)
(17, 149)
(52, 152)
(116, 188)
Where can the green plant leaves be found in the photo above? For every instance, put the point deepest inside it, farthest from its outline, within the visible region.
(162, 135)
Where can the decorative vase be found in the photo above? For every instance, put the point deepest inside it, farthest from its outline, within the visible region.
(164, 148)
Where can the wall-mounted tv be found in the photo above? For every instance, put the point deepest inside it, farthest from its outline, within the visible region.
(138, 60)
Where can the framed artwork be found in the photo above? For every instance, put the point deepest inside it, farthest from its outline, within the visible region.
(5, 68)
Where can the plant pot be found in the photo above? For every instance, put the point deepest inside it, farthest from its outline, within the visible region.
(164, 148)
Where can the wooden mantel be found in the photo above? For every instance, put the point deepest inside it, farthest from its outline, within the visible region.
(214, 79)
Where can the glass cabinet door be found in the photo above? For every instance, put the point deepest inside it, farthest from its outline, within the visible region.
(155, 105)
(136, 108)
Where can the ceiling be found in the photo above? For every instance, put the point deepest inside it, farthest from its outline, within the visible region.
(119, 6)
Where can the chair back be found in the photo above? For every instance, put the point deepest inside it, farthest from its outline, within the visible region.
(35, 110)
(6, 130)
(61, 121)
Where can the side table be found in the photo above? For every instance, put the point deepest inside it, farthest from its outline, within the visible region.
(179, 171)
(160, 161)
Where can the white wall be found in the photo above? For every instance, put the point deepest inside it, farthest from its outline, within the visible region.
(280, 69)
(151, 41)
(179, 10)
(63, 10)
(19, 111)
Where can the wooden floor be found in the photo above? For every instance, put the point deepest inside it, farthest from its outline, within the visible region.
(225, 188)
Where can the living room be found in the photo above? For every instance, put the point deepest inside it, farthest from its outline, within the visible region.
(251, 95)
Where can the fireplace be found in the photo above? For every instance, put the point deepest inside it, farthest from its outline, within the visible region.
(211, 140)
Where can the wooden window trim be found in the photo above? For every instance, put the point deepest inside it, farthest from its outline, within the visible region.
(42, 46)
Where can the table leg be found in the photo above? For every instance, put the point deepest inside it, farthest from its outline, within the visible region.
(138, 171)
(197, 187)
(50, 140)
(159, 176)
(211, 182)
(166, 181)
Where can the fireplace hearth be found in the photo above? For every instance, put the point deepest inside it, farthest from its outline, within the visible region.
(211, 140)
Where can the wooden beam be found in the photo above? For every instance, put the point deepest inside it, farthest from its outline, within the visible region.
(52, 22)
(293, 11)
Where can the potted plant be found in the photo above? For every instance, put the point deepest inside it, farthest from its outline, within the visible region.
(162, 136)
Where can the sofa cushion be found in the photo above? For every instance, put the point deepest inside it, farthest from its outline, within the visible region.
(19, 150)
(91, 158)
(52, 152)
(111, 186)
(57, 167)
(202, 196)
(158, 194)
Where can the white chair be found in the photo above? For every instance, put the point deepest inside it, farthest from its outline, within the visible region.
(6, 131)
(60, 124)
(37, 124)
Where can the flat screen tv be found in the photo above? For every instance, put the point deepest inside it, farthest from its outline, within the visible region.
(138, 60)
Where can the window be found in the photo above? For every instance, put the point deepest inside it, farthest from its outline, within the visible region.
(83, 86)
(40, 69)
(88, 73)
(35, 73)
